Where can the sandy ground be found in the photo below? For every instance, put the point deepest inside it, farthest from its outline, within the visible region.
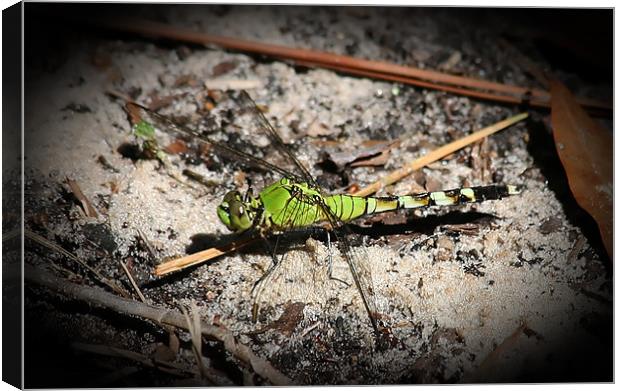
(505, 290)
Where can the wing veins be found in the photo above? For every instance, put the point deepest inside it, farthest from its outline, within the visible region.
(265, 126)
(182, 129)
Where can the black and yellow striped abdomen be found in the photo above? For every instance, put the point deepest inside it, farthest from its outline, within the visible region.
(286, 204)
(347, 207)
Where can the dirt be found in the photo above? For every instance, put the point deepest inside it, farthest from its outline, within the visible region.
(512, 290)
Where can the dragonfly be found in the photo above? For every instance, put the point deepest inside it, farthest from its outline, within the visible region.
(296, 201)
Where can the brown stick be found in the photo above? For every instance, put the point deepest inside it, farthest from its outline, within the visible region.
(438, 154)
(133, 282)
(131, 307)
(377, 69)
(53, 246)
(199, 257)
(440, 87)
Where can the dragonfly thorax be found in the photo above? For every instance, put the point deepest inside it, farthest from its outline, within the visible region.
(236, 213)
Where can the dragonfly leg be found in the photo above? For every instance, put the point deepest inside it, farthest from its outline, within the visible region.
(248, 194)
(257, 290)
(330, 262)
(409, 247)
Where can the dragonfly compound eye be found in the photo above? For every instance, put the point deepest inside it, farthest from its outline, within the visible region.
(223, 212)
(233, 212)
(232, 196)
(239, 216)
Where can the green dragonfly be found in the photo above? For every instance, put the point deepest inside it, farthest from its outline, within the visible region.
(296, 201)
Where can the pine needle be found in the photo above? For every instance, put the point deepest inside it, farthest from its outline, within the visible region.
(437, 154)
(199, 257)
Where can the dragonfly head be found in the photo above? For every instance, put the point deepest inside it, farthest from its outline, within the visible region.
(236, 214)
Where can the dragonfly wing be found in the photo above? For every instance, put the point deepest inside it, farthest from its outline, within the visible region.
(165, 124)
(299, 172)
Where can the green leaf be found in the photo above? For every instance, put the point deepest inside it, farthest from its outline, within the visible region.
(144, 130)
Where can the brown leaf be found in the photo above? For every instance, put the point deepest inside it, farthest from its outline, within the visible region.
(89, 209)
(176, 147)
(318, 129)
(134, 113)
(585, 149)
(159, 102)
(286, 323)
(223, 67)
(173, 342)
(370, 153)
(164, 353)
(186, 80)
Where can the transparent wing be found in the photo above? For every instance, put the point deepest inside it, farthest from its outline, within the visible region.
(262, 125)
(166, 124)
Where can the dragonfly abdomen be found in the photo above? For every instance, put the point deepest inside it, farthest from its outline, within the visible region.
(347, 207)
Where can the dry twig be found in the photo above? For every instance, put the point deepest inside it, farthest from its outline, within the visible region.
(199, 257)
(376, 69)
(53, 246)
(101, 298)
(193, 326)
(133, 282)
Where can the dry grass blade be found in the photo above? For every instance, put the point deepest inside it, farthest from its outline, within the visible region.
(193, 326)
(53, 246)
(199, 257)
(585, 149)
(98, 297)
(89, 209)
(133, 282)
(438, 154)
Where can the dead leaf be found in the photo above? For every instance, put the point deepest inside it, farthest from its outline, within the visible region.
(223, 67)
(164, 353)
(159, 102)
(376, 161)
(173, 342)
(186, 80)
(451, 61)
(491, 361)
(288, 321)
(89, 209)
(370, 153)
(176, 147)
(134, 113)
(585, 149)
